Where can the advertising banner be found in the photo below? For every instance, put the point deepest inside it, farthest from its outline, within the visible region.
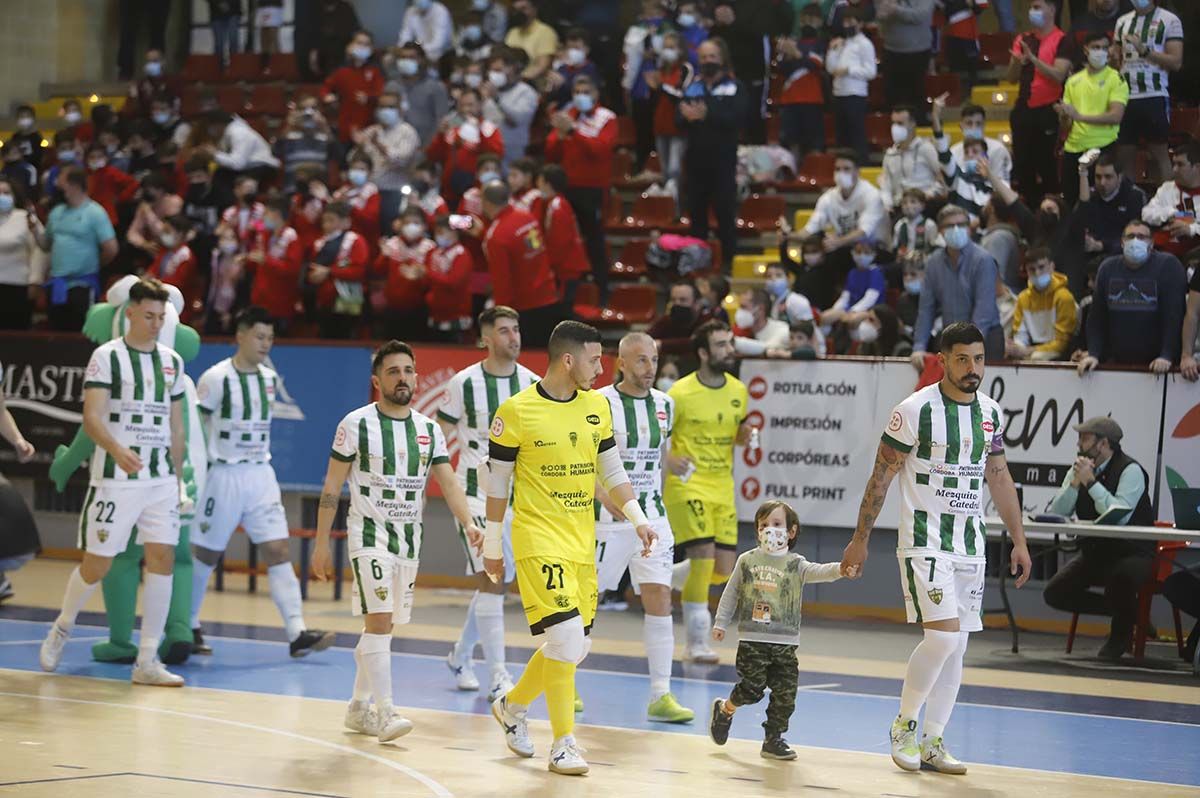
(1180, 445)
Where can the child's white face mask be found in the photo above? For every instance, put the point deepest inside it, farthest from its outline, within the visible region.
(773, 539)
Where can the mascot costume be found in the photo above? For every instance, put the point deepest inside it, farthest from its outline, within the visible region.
(106, 321)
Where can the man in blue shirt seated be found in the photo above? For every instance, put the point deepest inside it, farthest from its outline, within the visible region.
(1106, 484)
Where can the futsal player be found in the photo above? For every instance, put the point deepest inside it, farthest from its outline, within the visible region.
(388, 451)
(557, 438)
(710, 419)
(642, 422)
(470, 401)
(131, 409)
(235, 398)
(945, 441)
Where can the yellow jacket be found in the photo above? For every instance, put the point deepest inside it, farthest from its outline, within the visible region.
(1046, 320)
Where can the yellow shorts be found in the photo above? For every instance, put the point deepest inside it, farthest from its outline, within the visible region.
(554, 590)
(697, 521)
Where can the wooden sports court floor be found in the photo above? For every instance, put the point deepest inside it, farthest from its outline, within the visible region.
(253, 722)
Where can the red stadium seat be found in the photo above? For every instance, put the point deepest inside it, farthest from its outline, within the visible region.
(879, 130)
(267, 99)
(626, 134)
(200, 68)
(995, 48)
(282, 66)
(633, 304)
(760, 213)
(587, 300)
(613, 212)
(817, 170)
(622, 165)
(245, 67)
(231, 99)
(652, 211)
(1185, 119)
(632, 263)
(936, 85)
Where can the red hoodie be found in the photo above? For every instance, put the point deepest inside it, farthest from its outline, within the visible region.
(350, 265)
(400, 291)
(349, 84)
(276, 277)
(564, 246)
(109, 186)
(175, 267)
(516, 259)
(448, 272)
(457, 155)
(586, 152)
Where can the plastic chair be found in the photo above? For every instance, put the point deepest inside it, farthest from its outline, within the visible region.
(200, 68)
(1185, 119)
(936, 85)
(230, 99)
(267, 99)
(246, 67)
(622, 165)
(879, 131)
(587, 298)
(626, 133)
(652, 211)
(816, 171)
(760, 212)
(631, 304)
(996, 48)
(632, 263)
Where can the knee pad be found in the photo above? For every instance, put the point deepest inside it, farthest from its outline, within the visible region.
(565, 641)
(944, 643)
(587, 648)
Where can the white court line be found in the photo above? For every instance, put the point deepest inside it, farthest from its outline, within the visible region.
(39, 641)
(416, 775)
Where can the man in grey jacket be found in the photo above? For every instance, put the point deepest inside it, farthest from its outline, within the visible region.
(907, 41)
(510, 104)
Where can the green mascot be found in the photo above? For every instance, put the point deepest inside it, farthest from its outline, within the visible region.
(105, 321)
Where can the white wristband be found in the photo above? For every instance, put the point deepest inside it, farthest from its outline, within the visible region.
(493, 536)
(633, 511)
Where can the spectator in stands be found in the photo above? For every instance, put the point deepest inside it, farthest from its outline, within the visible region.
(851, 62)
(355, 86)
(226, 274)
(1047, 226)
(801, 344)
(174, 262)
(244, 217)
(18, 171)
(240, 150)
(962, 39)
(81, 130)
(423, 192)
(1046, 316)
(268, 19)
(1001, 238)
(422, 96)
(863, 290)
(80, 238)
(710, 114)
(1102, 481)
(906, 28)
(428, 23)
(668, 373)
(131, 17)
(911, 163)
(971, 122)
(447, 269)
(335, 24)
(1173, 207)
(788, 305)
(748, 29)
(152, 84)
(1100, 17)
(170, 130)
(494, 18)
(1092, 106)
(274, 264)
(141, 153)
(393, 146)
(756, 331)
(713, 289)
(306, 145)
(108, 185)
(641, 76)
(851, 210)
(401, 268)
(802, 94)
(1041, 60)
(514, 99)
(202, 204)
(1151, 39)
(913, 276)
(472, 43)
(487, 169)
(225, 17)
(1136, 315)
(1105, 209)
(564, 244)
(583, 140)
(109, 139)
(536, 38)
(913, 233)
(523, 183)
(363, 198)
(28, 138)
(673, 330)
(462, 136)
(306, 207)
(575, 61)
(675, 74)
(521, 275)
(67, 153)
(1182, 589)
(959, 285)
(337, 266)
(158, 204)
(969, 188)
(22, 262)
(1188, 365)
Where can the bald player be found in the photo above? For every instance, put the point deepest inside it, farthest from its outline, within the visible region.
(642, 418)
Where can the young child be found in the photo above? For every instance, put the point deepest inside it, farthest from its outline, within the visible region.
(363, 198)
(448, 269)
(913, 232)
(175, 263)
(401, 269)
(763, 597)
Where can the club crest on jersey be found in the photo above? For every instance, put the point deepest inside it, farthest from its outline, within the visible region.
(562, 601)
(381, 593)
(897, 422)
(423, 440)
(497, 427)
(595, 438)
(204, 527)
(935, 595)
(102, 535)
(574, 438)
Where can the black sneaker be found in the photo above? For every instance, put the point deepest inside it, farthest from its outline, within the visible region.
(1113, 650)
(198, 644)
(311, 640)
(719, 723)
(178, 652)
(777, 748)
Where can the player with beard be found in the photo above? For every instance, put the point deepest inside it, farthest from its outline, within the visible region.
(388, 451)
(945, 441)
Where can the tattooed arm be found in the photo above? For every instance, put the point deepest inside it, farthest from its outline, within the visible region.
(1004, 496)
(888, 461)
(331, 492)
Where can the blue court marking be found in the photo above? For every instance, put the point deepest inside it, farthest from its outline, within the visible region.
(1039, 739)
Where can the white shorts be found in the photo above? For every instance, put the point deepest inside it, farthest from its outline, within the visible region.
(382, 583)
(478, 509)
(618, 548)
(938, 588)
(270, 17)
(111, 512)
(239, 494)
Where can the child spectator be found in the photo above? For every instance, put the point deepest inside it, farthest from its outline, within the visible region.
(713, 289)
(864, 287)
(175, 263)
(763, 597)
(81, 131)
(692, 26)
(813, 277)
(274, 265)
(802, 97)
(423, 192)
(307, 205)
(913, 274)
(448, 268)
(245, 215)
(962, 38)
(401, 268)
(107, 184)
(363, 198)
(574, 62)
(1046, 314)
(28, 138)
(675, 72)
(522, 181)
(306, 144)
(801, 342)
(851, 62)
(913, 232)
(337, 268)
(225, 277)
(564, 245)
(19, 172)
(355, 86)
(109, 139)
(790, 306)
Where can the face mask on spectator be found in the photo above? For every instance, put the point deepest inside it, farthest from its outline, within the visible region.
(844, 179)
(866, 332)
(96, 164)
(169, 240)
(473, 80)
(25, 123)
(957, 236)
(1098, 57)
(972, 132)
(680, 314)
(913, 286)
(773, 539)
(67, 156)
(488, 177)
(664, 383)
(971, 166)
(480, 5)
(744, 318)
(388, 116)
(423, 5)
(419, 187)
(1136, 250)
(358, 177)
(584, 102)
(446, 240)
(6, 203)
(407, 66)
(153, 68)
(360, 52)
(863, 260)
(687, 20)
(850, 30)
(228, 247)
(518, 19)
(72, 117)
(411, 230)
(575, 56)
(899, 134)
(497, 78)
(1037, 17)
(472, 33)
(669, 55)
(1041, 281)
(1141, 5)
(777, 287)
(710, 69)
(469, 132)
(161, 118)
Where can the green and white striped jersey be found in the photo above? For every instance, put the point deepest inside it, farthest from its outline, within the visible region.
(141, 387)
(238, 407)
(640, 426)
(391, 459)
(469, 402)
(941, 483)
(1155, 29)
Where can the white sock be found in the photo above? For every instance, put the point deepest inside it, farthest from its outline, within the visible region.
(376, 654)
(679, 574)
(489, 617)
(285, 592)
(74, 597)
(362, 685)
(469, 635)
(697, 620)
(658, 634)
(923, 668)
(156, 602)
(201, 571)
(945, 690)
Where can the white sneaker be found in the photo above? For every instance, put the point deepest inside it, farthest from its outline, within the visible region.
(52, 647)
(516, 730)
(701, 654)
(464, 671)
(905, 751)
(566, 757)
(155, 674)
(393, 726)
(361, 717)
(501, 683)
(934, 756)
